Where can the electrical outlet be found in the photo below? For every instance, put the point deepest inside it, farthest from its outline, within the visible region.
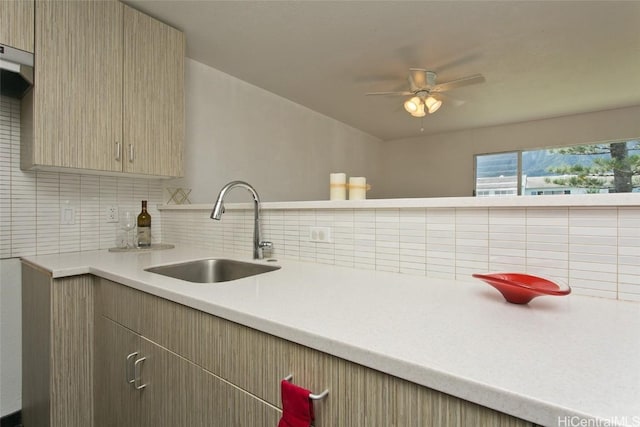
(67, 215)
(320, 234)
(112, 213)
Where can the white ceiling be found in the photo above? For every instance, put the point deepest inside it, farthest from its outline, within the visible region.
(540, 58)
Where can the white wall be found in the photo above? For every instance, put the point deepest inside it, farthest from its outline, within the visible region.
(442, 165)
(235, 130)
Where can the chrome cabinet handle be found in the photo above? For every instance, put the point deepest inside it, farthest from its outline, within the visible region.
(312, 396)
(129, 367)
(131, 153)
(118, 150)
(137, 375)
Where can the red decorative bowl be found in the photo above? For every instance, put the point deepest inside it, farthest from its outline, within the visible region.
(520, 288)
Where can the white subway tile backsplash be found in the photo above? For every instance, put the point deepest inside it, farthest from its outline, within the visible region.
(504, 253)
(440, 230)
(387, 239)
(594, 292)
(629, 288)
(507, 216)
(600, 285)
(557, 258)
(474, 216)
(593, 231)
(583, 261)
(417, 269)
(500, 243)
(441, 252)
(441, 215)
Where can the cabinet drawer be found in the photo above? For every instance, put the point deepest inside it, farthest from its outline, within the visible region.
(172, 325)
(119, 303)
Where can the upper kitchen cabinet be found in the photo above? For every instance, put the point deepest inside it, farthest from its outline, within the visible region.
(73, 116)
(16, 24)
(153, 95)
(108, 92)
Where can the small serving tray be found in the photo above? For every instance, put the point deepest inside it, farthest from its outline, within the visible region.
(153, 247)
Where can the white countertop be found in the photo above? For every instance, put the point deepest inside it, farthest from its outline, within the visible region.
(556, 357)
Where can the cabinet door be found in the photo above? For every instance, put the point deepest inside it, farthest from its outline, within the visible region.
(16, 24)
(117, 403)
(227, 405)
(153, 108)
(77, 98)
(173, 393)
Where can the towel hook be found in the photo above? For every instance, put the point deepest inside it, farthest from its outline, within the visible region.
(311, 395)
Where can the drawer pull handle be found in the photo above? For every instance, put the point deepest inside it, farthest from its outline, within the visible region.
(129, 367)
(136, 368)
(118, 151)
(311, 395)
(131, 153)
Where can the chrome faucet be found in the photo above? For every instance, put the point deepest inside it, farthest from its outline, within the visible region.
(218, 210)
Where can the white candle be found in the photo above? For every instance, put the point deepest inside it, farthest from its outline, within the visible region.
(338, 186)
(357, 188)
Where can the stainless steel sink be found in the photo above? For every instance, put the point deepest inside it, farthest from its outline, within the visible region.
(212, 270)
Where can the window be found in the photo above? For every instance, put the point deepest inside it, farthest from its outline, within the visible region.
(612, 167)
(497, 174)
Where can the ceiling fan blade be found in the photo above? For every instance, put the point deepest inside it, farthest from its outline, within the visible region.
(417, 79)
(449, 99)
(465, 81)
(389, 93)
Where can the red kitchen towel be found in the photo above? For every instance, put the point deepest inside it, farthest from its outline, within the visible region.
(297, 408)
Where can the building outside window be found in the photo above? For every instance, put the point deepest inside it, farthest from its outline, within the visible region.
(612, 167)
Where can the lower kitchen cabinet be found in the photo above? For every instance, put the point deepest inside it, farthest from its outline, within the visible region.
(57, 349)
(173, 392)
(164, 389)
(198, 369)
(243, 368)
(117, 402)
(139, 383)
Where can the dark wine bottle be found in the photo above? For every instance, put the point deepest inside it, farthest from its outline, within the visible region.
(144, 227)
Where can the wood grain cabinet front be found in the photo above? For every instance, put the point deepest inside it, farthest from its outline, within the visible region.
(16, 24)
(243, 367)
(108, 91)
(145, 369)
(99, 353)
(57, 349)
(138, 383)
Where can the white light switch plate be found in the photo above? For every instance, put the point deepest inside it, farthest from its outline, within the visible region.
(320, 234)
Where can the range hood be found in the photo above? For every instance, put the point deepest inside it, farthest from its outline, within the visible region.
(16, 71)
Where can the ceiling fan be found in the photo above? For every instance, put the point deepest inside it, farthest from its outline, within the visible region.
(425, 92)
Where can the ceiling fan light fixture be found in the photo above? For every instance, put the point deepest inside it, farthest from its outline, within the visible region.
(432, 104)
(420, 111)
(412, 105)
